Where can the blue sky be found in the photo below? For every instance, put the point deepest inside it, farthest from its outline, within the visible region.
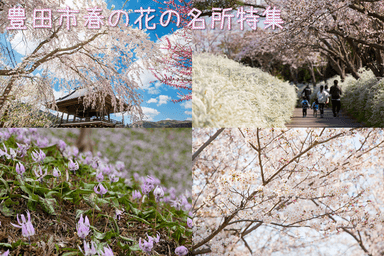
(157, 98)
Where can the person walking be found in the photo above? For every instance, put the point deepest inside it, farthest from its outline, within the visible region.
(306, 93)
(327, 90)
(305, 106)
(336, 92)
(322, 97)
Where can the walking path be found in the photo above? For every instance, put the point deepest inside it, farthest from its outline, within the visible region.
(298, 121)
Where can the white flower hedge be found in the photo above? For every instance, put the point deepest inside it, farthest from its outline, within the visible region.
(229, 94)
(364, 98)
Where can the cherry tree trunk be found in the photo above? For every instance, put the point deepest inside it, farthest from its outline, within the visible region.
(84, 141)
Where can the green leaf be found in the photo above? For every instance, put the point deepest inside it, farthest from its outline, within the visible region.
(4, 167)
(6, 211)
(135, 247)
(3, 192)
(135, 210)
(6, 245)
(126, 239)
(50, 193)
(9, 202)
(25, 189)
(99, 235)
(18, 243)
(70, 253)
(63, 188)
(49, 159)
(139, 219)
(5, 183)
(147, 214)
(48, 205)
(115, 203)
(90, 200)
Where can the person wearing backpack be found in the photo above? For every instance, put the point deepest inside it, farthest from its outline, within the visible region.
(335, 92)
(315, 107)
(306, 93)
(305, 106)
(322, 97)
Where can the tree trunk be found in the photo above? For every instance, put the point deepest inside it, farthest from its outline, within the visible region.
(339, 68)
(84, 141)
(311, 70)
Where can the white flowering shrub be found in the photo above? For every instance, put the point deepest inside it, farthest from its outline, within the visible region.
(364, 97)
(229, 94)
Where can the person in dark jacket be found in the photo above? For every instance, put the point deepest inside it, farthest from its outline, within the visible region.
(307, 92)
(335, 92)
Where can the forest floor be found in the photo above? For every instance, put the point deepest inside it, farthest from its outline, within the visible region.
(298, 121)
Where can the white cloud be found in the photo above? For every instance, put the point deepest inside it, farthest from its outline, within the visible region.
(163, 99)
(188, 112)
(168, 118)
(59, 94)
(23, 46)
(186, 104)
(152, 100)
(149, 113)
(189, 119)
(153, 90)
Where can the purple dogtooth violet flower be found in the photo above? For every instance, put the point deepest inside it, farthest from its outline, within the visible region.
(99, 176)
(22, 149)
(27, 229)
(151, 181)
(12, 153)
(112, 177)
(136, 195)
(73, 166)
(186, 205)
(105, 169)
(157, 239)
(4, 153)
(181, 251)
(146, 246)
(20, 169)
(189, 223)
(145, 188)
(38, 157)
(89, 250)
(6, 253)
(158, 192)
(62, 145)
(82, 227)
(136, 176)
(95, 163)
(119, 166)
(118, 213)
(56, 172)
(100, 189)
(107, 251)
(39, 174)
(176, 203)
